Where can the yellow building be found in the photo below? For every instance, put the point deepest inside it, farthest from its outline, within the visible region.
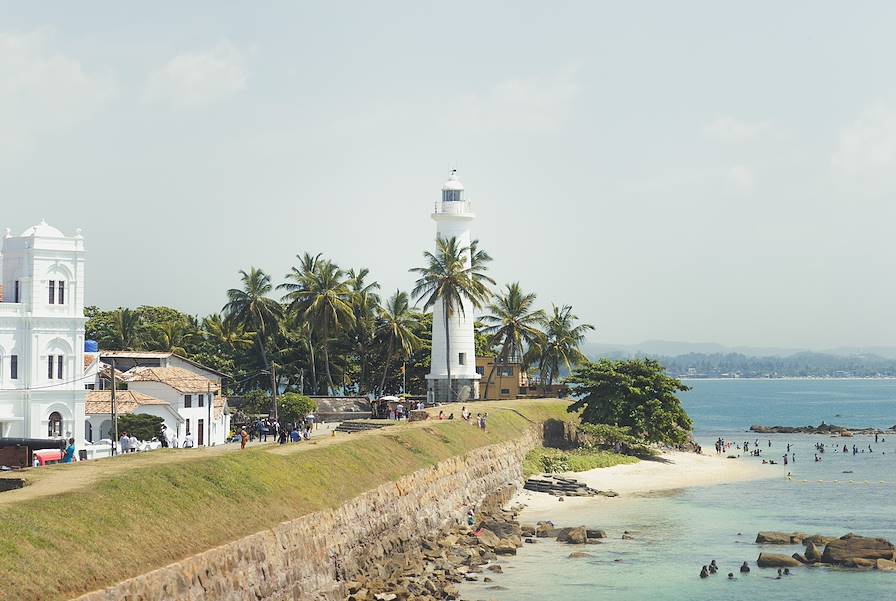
(509, 381)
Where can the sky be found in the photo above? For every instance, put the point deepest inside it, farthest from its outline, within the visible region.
(697, 171)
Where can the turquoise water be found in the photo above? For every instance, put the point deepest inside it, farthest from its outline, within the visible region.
(677, 532)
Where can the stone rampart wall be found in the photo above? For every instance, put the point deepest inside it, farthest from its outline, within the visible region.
(310, 557)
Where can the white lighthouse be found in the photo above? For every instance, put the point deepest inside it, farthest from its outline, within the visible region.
(453, 215)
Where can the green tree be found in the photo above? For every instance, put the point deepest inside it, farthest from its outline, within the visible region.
(635, 394)
(324, 299)
(255, 402)
(396, 330)
(128, 331)
(142, 426)
(513, 326)
(294, 407)
(252, 308)
(450, 277)
(365, 307)
(558, 347)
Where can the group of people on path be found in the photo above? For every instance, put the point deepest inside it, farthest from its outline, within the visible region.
(128, 444)
(280, 433)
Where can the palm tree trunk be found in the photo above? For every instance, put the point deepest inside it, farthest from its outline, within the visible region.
(327, 361)
(386, 369)
(503, 356)
(447, 352)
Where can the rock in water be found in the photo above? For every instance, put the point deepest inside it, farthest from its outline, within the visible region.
(885, 565)
(851, 547)
(573, 536)
(578, 555)
(775, 560)
(813, 553)
(779, 538)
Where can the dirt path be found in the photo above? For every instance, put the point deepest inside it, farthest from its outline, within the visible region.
(57, 479)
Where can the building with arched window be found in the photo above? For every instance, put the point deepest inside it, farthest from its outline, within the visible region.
(42, 334)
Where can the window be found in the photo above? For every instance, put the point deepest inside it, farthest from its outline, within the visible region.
(202, 400)
(50, 367)
(505, 391)
(188, 425)
(461, 358)
(59, 367)
(61, 296)
(480, 370)
(14, 367)
(54, 425)
(16, 297)
(89, 386)
(505, 372)
(52, 291)
(188, 401)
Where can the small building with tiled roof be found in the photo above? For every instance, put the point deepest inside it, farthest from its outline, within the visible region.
(98, 409)
(195, 398)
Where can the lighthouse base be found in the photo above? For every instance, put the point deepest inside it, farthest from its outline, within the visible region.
(461, 390)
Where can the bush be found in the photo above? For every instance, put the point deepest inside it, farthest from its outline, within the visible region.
(144, 427)
(293, 407)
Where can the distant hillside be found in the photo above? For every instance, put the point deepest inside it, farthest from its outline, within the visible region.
(709, 363)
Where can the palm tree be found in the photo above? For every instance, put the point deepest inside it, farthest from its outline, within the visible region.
(560, 344)
(252, 308)
(173, 337)
(451, 277)
(513, 325)
(323, 297)
(127, 330)
(396, 329)
(365, 307)
(227, 334)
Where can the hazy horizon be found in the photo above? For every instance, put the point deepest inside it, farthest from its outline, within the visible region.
(687, 171)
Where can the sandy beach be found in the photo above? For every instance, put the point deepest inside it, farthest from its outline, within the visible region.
(676, 470)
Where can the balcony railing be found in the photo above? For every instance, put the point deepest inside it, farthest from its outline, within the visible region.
(451, 206)
(7, 309)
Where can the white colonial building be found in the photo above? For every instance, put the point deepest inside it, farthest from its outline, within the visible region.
(185, 394)
(453, 215)
(42, 334)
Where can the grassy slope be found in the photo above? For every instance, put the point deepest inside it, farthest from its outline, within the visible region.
(130, 522)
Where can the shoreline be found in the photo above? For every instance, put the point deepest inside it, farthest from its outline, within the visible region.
(672, 471)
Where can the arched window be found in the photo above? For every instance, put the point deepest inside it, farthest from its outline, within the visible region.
(54, 427)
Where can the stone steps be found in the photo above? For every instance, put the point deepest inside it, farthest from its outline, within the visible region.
(357, 426)
(561, 487)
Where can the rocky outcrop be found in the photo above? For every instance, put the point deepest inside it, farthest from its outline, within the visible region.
(313, 557)
(822, 428)
(775, 560)
(779, 538)
(563, 487)
(851, 547)
(849, 551)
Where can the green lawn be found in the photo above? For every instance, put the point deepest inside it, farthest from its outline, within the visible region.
(542, 460)
(111, 528)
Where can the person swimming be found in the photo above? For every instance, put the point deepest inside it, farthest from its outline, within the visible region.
(731, 576)
(713, 568)
(787, 571)
(704, 573)
(745, 569)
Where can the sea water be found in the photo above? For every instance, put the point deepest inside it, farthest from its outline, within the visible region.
(675, 533)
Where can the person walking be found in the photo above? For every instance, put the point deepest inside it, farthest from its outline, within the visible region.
(125, 443)
(244, 438)
(133, 444)
(163, 436)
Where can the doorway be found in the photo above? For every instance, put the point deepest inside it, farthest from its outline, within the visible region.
(200, 434)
